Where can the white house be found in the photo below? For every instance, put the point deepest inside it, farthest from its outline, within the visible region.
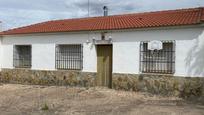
(113, 44)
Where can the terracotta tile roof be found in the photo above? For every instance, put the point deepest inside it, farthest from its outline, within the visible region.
(178, 17)
(0, 29)
(202, 14)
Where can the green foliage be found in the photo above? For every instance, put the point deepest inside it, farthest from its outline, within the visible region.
(45, 107)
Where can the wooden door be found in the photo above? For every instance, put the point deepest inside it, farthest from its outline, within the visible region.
(104, 65)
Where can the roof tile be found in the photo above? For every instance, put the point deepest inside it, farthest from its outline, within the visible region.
(202, 17)
(128, 21)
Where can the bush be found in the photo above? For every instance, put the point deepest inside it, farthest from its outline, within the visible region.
(45, 107)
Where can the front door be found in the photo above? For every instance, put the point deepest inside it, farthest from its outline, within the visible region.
(104, 65)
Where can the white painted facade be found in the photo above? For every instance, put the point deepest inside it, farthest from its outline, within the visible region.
(189, 49)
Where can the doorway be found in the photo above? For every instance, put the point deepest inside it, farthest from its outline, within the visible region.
(104, 65)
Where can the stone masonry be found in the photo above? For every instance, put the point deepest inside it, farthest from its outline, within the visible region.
(36, 77)
(167, 85)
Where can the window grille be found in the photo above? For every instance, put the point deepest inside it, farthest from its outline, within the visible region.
(69, 57)
(161, 61)
(22, 56)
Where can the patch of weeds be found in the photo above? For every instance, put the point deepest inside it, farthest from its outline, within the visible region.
(45, 107)
(87, 88)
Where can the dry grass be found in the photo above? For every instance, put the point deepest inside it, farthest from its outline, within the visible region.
(38, 100)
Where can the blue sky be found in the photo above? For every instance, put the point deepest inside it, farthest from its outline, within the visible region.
(16, 13)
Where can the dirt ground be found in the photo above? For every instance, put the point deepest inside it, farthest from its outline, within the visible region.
(39, 100)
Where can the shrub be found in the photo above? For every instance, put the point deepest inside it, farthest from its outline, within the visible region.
(45, 107)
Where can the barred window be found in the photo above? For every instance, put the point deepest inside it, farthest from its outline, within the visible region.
(69, 57)
(22, 56)
(161, 61)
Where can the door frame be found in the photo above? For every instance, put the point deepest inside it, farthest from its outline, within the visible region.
(100, 83)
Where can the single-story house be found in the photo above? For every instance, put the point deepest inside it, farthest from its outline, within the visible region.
(107, 45)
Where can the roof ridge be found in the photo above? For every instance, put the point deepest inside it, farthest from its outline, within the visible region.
(127, 14)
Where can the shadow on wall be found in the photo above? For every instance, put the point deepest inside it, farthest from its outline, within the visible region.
(195, 58)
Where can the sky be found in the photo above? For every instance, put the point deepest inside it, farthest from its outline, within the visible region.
(17, 13)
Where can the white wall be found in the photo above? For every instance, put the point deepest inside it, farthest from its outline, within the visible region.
(164, 34)
(190, 57)
(188, 61)
(43, 49)
(43, 56)
(90, 58)
(125, 49)
(7, 56)
(126, 57)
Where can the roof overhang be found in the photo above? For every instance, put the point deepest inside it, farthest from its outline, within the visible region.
(201, 25)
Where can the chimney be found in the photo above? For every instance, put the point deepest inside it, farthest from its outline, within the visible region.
(1, 27)
(105, 9)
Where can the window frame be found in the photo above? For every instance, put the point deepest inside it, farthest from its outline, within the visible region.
(67, 66)
(157, 71)
(14, 56)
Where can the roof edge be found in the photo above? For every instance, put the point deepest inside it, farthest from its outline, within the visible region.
(125, 29)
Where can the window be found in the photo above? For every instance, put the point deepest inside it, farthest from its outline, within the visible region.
(161, 61)
(69, 57)
(22, 56)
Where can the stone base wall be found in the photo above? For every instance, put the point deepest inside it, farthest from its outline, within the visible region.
(167, 85)
(36, 77)
(185, 87)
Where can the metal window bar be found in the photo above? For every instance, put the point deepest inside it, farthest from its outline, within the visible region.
(69, 57)
(162, 61)
(22, 56)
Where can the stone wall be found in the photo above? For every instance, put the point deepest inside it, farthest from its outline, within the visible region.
(167, 85)
(36, 77)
